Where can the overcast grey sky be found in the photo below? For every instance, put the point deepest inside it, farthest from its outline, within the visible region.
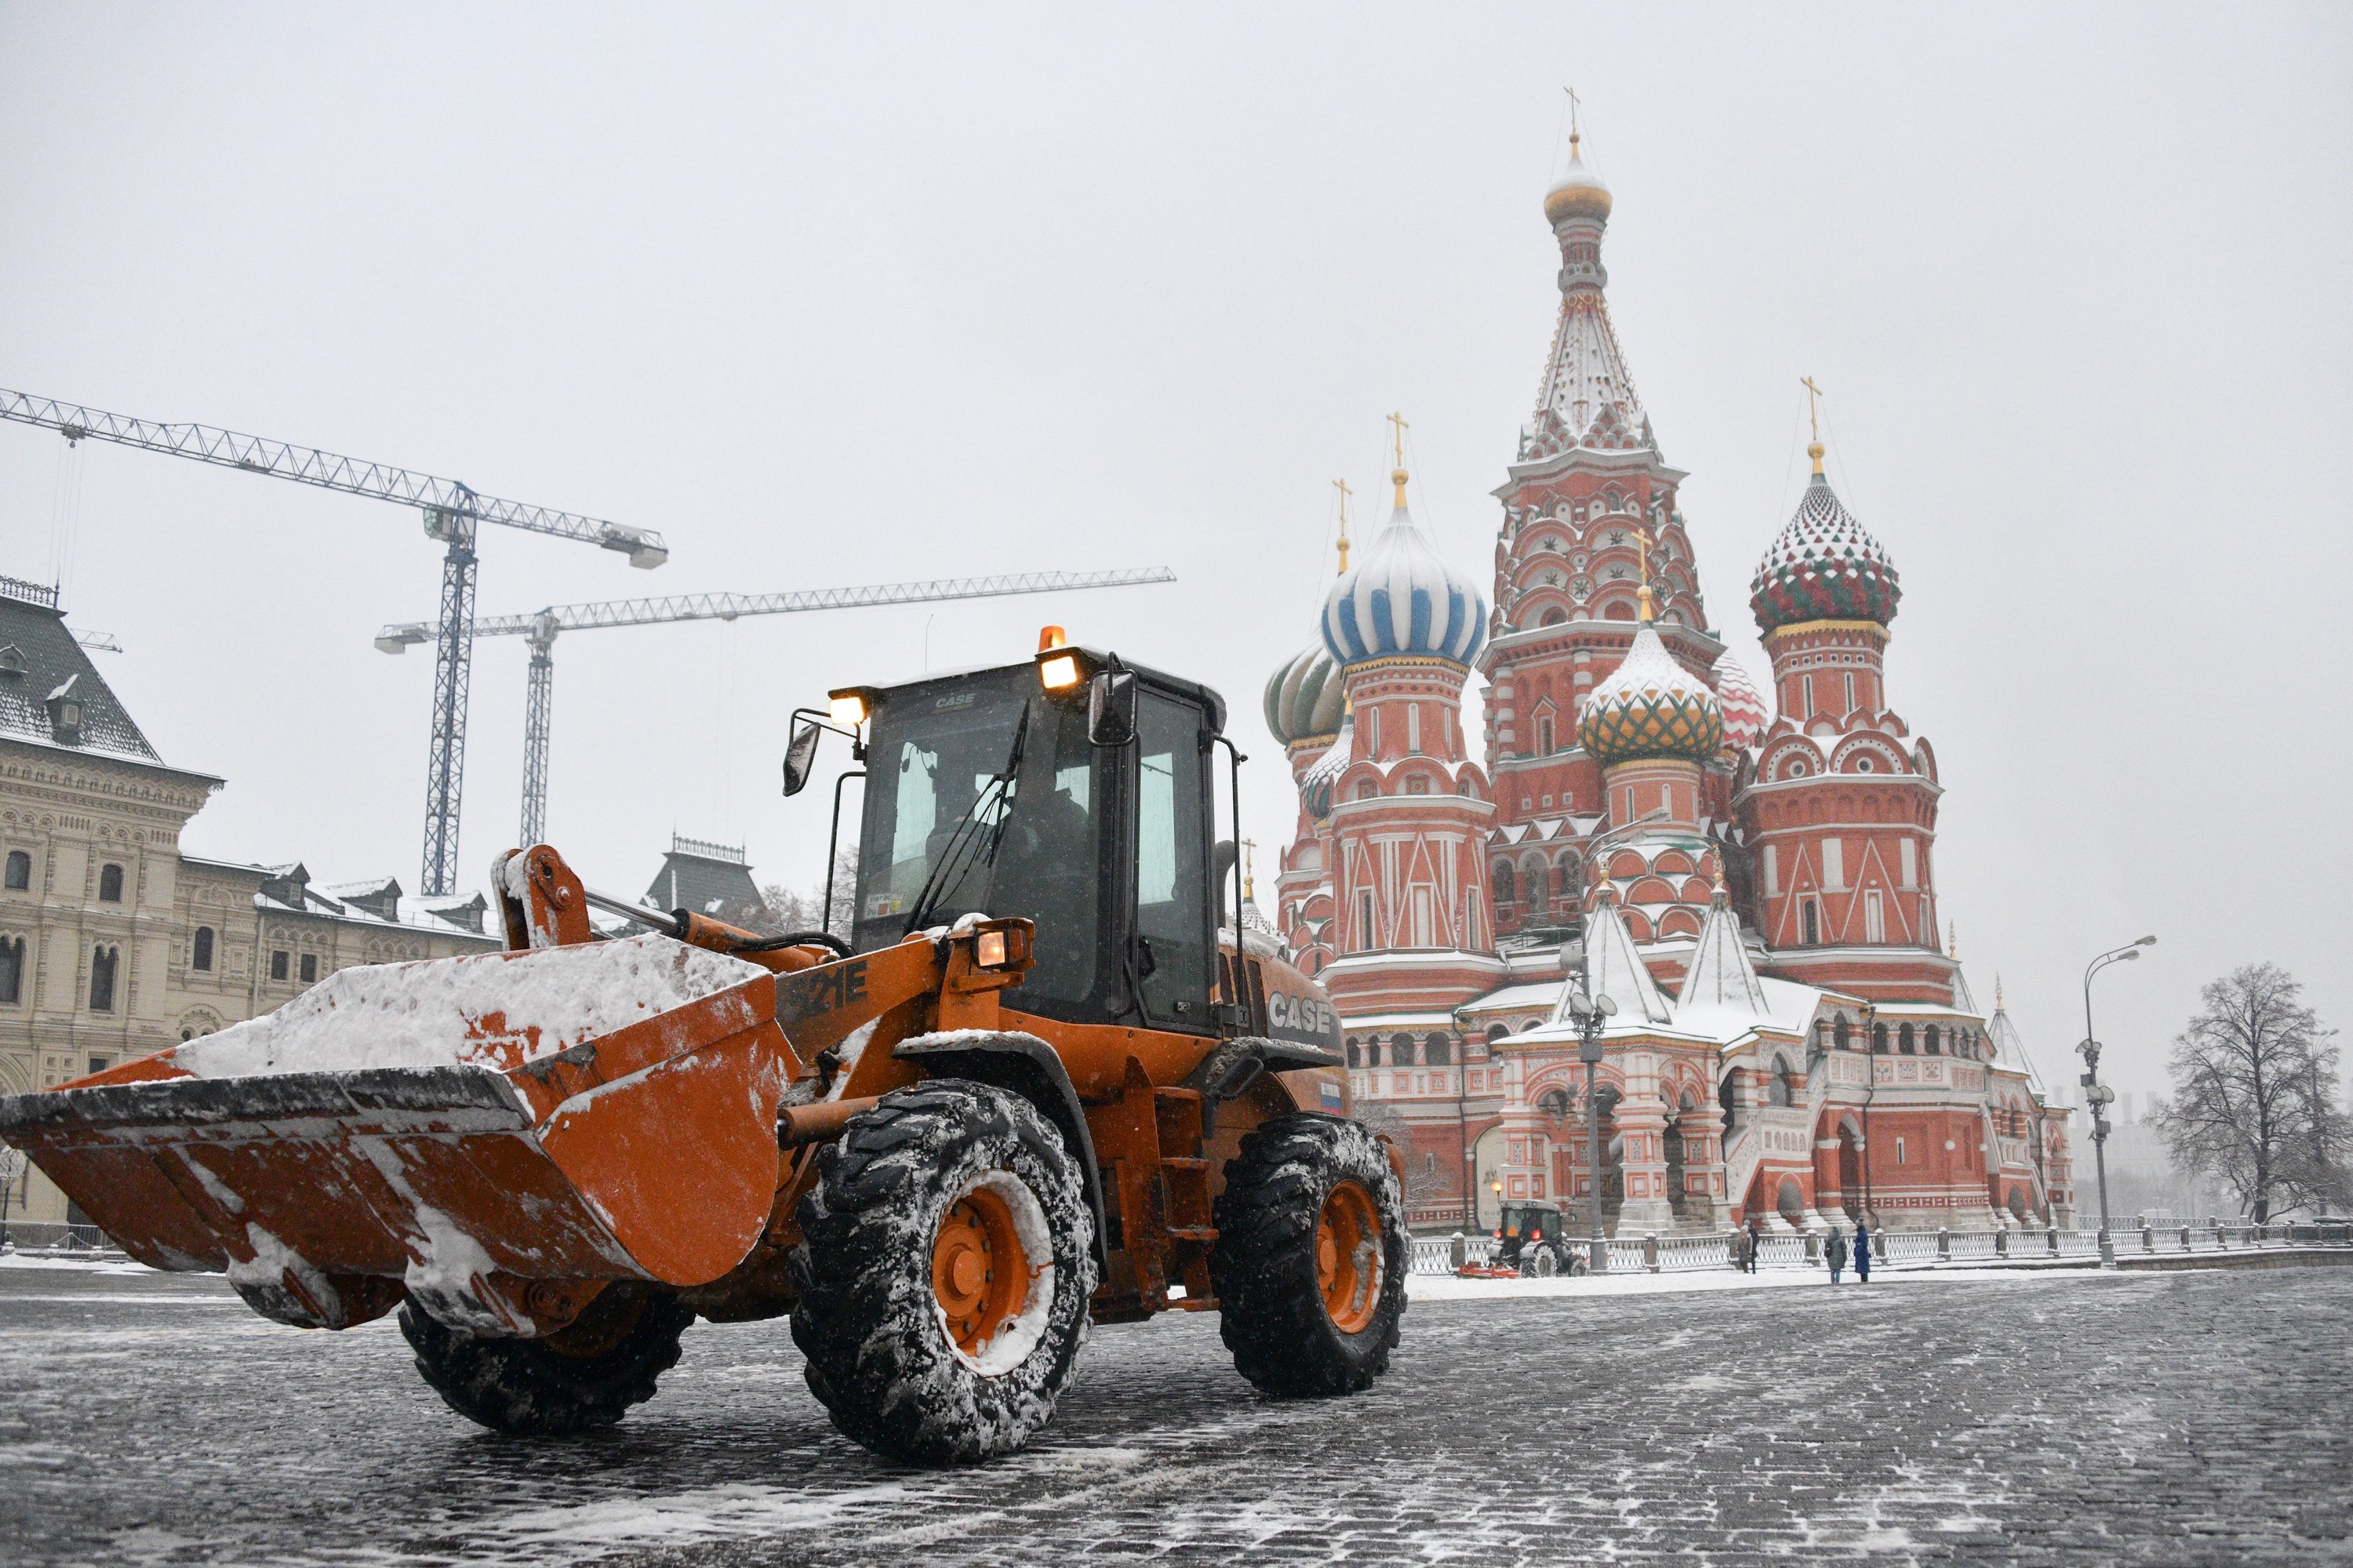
(843, 295)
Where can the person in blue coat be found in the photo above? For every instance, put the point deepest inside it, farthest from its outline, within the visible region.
(1862, 1252)
(1834, 1252)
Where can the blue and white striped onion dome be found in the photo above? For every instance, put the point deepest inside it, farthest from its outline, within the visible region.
(1304, 698)
(1402, 600)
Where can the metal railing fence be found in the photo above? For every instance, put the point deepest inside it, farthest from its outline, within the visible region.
(1783, 1250)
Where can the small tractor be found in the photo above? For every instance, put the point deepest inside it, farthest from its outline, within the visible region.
(1531, 1241)
(1048, 1080)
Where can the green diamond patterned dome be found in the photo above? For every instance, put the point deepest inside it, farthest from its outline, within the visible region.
(1651, 707)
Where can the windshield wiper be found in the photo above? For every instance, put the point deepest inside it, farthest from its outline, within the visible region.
(964, 848)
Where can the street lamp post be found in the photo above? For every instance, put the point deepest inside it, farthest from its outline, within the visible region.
(1870, 1011)
(2099, 1093)
(1592, 1015)
(1462, 1111)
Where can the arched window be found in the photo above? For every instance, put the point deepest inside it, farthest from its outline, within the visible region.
(1496, 1032)
(1355, 1057)
(1438, 1051)
(1777, 1084)
(12, 968)
(1554, 618)
(109, 884)
(1879, 1039)
(1904, 1042)
(1567, 874)
(101, 978)
(1728, 1097)
(1372, 1050)
(202, 957)
(1502, 881)
(1554, 1103)
(1401, 1050)
(1789, 1201)
(1936, 1046)
(1543, 735)
(20, 871)
(1839, 1031)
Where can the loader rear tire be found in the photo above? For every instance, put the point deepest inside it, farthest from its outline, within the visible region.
(1311, 1258)
(585, 1377)
(922, 1343)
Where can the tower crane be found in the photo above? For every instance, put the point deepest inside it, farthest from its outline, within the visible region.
(454, 514)
(540, 628)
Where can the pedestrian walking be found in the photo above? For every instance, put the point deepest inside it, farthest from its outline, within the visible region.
(1862, 1252)
(1756, 1243)
(1834, 1250)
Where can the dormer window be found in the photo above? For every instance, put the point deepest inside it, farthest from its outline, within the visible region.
(64, 706)
(12, 660)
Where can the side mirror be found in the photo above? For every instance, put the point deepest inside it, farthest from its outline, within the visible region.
(1111, 708)
(800, 756)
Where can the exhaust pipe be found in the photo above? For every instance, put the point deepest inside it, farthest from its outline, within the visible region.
(820, 1123)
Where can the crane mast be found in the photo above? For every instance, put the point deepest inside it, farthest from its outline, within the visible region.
(540, 628)
(454, 514)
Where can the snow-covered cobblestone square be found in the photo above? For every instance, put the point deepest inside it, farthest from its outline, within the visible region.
(2182, 1418)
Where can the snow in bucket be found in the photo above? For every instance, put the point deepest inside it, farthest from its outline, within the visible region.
(491, 1010)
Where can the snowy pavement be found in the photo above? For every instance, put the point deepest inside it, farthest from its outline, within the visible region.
(1711, 1419)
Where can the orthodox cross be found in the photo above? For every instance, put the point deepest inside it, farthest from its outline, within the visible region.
(1813, 422)
(1249, 876)
(1342, 486)
(1573, 102)
(1642, 549)
(1396, 475)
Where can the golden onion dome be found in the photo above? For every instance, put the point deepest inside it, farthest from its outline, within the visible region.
(1651, 707)
(1578, 193)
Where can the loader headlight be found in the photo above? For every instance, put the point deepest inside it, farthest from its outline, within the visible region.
(988, 950)
(847, 709)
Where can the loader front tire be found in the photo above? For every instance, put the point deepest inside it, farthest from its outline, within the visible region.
(585, 1377)
(1311, 1258)
(942, 1279)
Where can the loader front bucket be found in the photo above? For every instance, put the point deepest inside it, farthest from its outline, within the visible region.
(497, 1136)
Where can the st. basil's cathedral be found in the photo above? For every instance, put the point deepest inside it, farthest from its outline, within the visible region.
(1748, 877)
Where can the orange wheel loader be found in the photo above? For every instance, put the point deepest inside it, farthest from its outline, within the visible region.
(1044, 1082)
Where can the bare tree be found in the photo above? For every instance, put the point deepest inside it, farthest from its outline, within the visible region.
(1424, 1183)
(2254, 1086)
(797, 909)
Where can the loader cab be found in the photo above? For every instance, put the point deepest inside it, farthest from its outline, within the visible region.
(986, 793)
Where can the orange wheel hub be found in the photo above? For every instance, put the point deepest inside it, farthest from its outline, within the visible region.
(1349, 1257)
(980, 1273)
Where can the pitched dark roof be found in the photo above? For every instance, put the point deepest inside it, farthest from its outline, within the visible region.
(32, 625)
(708, 879)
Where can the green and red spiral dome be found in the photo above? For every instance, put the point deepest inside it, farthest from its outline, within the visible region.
(1824, 567)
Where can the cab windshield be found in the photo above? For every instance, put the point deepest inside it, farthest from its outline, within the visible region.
(983, 796)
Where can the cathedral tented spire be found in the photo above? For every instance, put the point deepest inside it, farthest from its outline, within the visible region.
(1588, 398)
(1613, 968)
(1721, 975)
